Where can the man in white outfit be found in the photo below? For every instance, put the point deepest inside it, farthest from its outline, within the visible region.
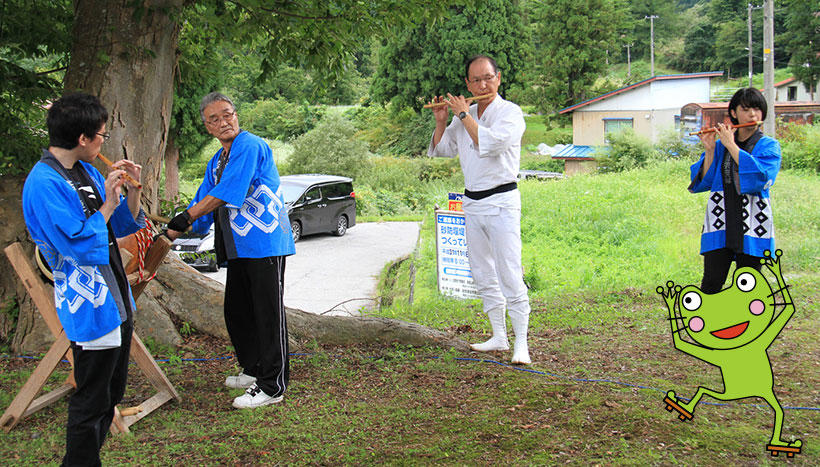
(487, 138)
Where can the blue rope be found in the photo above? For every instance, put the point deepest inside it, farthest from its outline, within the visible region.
(480, 360)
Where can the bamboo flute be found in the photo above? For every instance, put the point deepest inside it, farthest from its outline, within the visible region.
(473, 98)
(127, 177)
(714, 129)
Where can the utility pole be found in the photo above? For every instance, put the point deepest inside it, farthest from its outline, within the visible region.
(628, 61)
(651, 19)
(768, 65)
(749, 27)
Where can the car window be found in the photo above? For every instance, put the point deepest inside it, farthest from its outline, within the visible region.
(338, 190)
(313, 194)
(291, 191)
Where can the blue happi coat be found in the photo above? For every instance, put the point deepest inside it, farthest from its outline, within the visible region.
(757, 172)
(256, 208)
(76, 248)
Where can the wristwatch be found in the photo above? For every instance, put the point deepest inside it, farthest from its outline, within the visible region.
(462, 115)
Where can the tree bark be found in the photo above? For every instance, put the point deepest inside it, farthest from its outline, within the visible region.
(126, 55)
(171, 170)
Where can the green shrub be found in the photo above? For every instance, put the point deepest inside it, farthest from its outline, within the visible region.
(627, 150)
(671, 144)
(397, 186)
(800, 146)
(394, 130)
(279, 119)
(330, 148)
(531, 160)
(438, 168)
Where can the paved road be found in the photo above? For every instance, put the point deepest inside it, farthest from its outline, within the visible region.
(339, 275)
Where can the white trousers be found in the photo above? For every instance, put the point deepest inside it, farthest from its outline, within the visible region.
(494, 250)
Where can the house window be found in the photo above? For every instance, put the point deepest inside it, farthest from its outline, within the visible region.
(614, 125)
(792, 93)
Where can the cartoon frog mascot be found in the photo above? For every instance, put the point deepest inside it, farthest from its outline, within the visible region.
(733, 329)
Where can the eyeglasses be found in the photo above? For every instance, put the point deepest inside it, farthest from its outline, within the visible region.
(105, 136)
(226, 117)
(487, 78)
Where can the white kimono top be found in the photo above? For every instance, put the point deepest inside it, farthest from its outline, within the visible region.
(496, 159)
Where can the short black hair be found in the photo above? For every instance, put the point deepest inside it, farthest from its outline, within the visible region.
(479, 57)
(74, 115)
(751, 98)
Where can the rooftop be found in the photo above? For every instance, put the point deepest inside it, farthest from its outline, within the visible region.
(708, 74)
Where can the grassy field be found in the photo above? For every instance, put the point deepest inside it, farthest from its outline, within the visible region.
(595, 248)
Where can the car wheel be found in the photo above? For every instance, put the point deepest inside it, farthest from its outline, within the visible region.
(296, 228)
(341, 226)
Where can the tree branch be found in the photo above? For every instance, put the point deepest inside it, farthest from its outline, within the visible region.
(52, 71)
(294, 15)
(253, 14)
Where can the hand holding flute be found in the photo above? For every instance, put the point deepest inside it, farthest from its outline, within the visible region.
(125, 165)
(438, 102)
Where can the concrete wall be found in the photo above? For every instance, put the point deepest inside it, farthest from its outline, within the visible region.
(579, 167)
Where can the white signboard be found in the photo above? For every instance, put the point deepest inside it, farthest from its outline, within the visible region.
(454, 276)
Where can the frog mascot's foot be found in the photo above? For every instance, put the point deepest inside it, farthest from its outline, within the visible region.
(672, 404)
(790, 449)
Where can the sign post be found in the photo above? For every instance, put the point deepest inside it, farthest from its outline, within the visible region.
(453, 266)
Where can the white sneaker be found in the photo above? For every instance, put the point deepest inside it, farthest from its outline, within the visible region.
(255, 397)
(240, 381)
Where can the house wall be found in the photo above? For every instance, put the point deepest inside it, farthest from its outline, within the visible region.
(662, 94)
(652, 107)
(782, 92)
(588, 126)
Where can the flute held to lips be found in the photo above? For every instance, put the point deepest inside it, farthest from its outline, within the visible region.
(714, 129)
(468, 99)
(110, 165)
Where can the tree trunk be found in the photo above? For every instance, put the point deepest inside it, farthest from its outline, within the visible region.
(190, 297)
(126, 55)
(171, 170)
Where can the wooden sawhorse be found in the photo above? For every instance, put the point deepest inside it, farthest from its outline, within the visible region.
(25, 403)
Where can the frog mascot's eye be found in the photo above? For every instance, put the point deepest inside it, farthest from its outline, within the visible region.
(746, 281)
(691, 301)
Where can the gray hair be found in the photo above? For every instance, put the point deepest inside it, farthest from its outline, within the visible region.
(210, 99)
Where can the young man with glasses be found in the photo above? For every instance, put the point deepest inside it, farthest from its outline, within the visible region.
(75, 215)
(487, 138)
(240, 195)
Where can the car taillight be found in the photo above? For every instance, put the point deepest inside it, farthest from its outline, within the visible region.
(352, 194)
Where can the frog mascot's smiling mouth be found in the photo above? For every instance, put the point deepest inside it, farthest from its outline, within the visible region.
(731, 332)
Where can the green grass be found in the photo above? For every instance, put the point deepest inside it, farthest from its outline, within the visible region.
(595, 234)
(595, 248)
(537, 132)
